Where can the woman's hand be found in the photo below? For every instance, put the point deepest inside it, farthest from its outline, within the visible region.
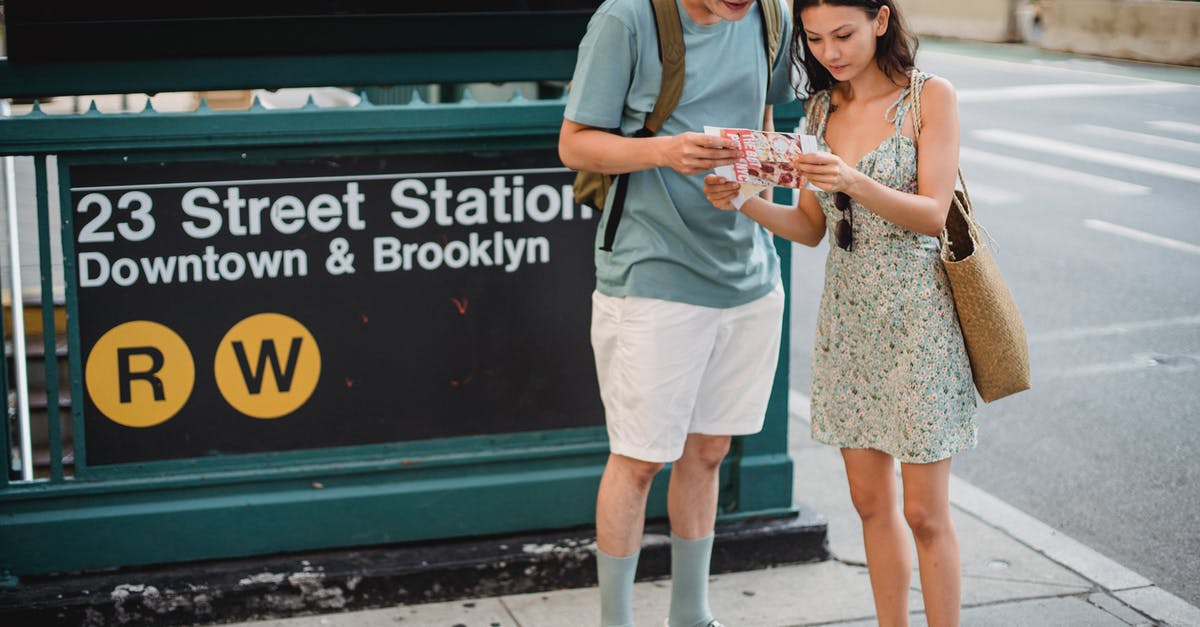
(720, 191)
(827, 171)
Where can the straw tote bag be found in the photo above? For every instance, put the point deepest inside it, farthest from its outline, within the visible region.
(987, 313)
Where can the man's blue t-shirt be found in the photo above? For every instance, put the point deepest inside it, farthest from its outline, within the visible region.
(671, 243)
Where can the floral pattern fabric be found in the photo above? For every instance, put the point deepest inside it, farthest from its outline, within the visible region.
(889, 371)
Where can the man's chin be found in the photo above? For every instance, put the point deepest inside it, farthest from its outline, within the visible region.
(734, 11)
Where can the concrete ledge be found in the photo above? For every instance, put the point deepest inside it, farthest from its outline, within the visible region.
(313, 583)
(981, 20)
(1161, 31)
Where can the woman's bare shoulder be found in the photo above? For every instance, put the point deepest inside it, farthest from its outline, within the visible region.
(938, 91)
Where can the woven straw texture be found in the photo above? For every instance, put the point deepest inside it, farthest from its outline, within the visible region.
(991, 324)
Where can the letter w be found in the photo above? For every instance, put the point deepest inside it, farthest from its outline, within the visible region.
(254, 378)
(264, 263)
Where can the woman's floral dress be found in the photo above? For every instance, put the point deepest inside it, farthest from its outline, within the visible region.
(890, 371)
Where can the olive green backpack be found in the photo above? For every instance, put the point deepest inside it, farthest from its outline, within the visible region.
(592, 187)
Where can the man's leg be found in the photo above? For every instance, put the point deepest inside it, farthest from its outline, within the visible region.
(620, 519)
(650, 357)
(692, 506)
(731, 399)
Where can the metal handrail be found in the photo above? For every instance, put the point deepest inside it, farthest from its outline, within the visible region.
(18, 312)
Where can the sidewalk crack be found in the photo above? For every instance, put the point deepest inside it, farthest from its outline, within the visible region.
(508, 610)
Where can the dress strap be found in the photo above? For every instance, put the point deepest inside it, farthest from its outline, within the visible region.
(904, 104)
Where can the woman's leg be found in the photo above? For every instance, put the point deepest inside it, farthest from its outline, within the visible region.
(927, 510)
(872, 477)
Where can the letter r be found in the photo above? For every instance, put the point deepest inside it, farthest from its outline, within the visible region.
(125, 376)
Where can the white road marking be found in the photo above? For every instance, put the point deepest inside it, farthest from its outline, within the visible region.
(1051, 173)
(1179, 127)
(993, 195)
(1088, 153)
(1141, 138)
(1068, 90)
(1119, 328)
(1141, 361)
(1141, 236)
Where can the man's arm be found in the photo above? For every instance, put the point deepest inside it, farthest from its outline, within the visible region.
(583, 147)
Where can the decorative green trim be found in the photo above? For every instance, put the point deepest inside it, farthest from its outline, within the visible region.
(66, 211)
(41, 80)
(123, 528)
(442, 455)
(54, 426)
(518, 120)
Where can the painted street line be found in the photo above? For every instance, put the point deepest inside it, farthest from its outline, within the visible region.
(1141, 236)
(1140, 361)
(1115, 329)
(1179, 127)
(1051, 172)
(1088, 153)
(1141, 138)
(1069, 90)
(989, 195)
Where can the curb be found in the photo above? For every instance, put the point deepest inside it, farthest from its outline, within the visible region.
(338, 581)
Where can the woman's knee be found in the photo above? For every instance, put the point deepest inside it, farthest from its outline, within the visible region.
(872, 502)
(927, 523)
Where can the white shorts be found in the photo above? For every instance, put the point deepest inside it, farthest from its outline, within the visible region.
(667, 369)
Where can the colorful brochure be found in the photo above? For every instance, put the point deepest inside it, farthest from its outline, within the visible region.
(766, 161)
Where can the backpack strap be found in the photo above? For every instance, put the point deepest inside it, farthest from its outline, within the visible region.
(671, 53)
(772, 25)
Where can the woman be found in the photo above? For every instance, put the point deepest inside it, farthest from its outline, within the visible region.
(890, 379)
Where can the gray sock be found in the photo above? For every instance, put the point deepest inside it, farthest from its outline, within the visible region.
(689, 581)
(615, 575)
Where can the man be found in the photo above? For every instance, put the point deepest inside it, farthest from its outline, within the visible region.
(688, 306)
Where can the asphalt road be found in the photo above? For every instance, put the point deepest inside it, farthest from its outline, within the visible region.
(1087, 174)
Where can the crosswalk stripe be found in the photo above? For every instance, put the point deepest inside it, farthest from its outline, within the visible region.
(1051, 172)
(1170, 125)
(1108, 330)
(1087, 153)
(1141, 236)
(1142, 138)
(1134, 363)
(1068, 90)
(994, 195)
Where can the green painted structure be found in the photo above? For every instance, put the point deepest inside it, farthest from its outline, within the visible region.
(83, 518)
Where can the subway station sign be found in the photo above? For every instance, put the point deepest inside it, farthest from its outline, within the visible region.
(234, 307)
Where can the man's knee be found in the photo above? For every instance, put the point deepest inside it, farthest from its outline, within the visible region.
(635, 471)
(705, 452)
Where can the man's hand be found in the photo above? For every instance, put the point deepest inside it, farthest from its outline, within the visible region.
(693, 153)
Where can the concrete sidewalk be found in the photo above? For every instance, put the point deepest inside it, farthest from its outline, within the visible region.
(1016, 571)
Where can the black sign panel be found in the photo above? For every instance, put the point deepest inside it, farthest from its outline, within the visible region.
(272, 306)
(53, 30)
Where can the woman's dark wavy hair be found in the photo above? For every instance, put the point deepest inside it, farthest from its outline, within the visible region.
(895, 50)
